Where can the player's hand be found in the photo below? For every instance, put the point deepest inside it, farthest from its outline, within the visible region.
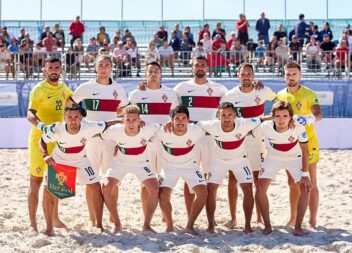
(49, 160)
(119, 111)
(168, 127)
(48, 130)
(142, 85)
(258, 85)
(307, 184)
(300, 119)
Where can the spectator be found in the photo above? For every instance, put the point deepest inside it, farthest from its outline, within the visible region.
(216, 44)
(273, 41)
(341, 57)
(188, 30)
(72, 64)
(59, 35)
(79, 50)
(301, 28)
(106, 47)
(39, 55)
(28, 40)
(239, 53)
(157, 41)
(281, 53)
(348, 28)
(327, 51)
(114, 45)
(134, 57)
(270, 54)
(290, 34)
(14, 47)
(318, 36)
(262, 27)
(231, 41)
(207, 42)
(8, 35)
(5, 60)
(326, 30)
(118, 34)
(205, 30)
(91, 52)
(162, 34)
(260, 54)
(44, 34)
(152, 52)
(178, 31)
(121, 58)
(186, 47)
(313, 54)
(175, 42)
(6, 42)
(199, 50)
(48, 42)
(242, 29)
(280, 33)
(220, 31)
(21, 35)
(295, 49)
(102, 35)
(127, 35)
(25, 57)
(55, 53)
(76, 30)
(167, 56)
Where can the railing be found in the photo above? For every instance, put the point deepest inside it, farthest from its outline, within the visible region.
(267, 65)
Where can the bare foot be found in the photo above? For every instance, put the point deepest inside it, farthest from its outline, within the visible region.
(260, 221)
(267, 230)
(33, 229)
(117, 229)
(169, 229)
(211, 230)
(290, 223)
(190, 230)
(248, 230)
(49, 232)
(98, 229)
(298, 232)
(58, 223)
(313, 224)
(231, 224)
(148, 229)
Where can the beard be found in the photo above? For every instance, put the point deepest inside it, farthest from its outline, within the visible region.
(54, 78)
(200, 74)
(292, 83)
(246, 83)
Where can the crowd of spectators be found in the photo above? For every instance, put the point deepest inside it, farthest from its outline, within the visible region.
(223, 49)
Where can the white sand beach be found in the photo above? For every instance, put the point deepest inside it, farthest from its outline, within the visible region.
(333, 233)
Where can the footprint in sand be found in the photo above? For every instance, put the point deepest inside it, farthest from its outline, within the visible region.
(40, 242)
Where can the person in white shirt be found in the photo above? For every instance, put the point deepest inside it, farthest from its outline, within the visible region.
(167, 56)
(152, 53)
(206, 42)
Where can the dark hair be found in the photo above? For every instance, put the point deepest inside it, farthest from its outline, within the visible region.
(199, 43)
(280, 106)
(201, 58)
(245, 65)
(51, 59)
(205, 25)
(226, 105)
(301, 16)
(153, 63)
(179, 109)
(293, 65)
(76, 107)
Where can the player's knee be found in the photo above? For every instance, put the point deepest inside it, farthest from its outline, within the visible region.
(96, 187)
(212, 188)
(247, 189)
(153, 190)
(202, 193)
(164, 195)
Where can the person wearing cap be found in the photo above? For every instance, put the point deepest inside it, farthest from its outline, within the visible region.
(242, 29)
(76, 30)
(102, 35)
(59, 35)
(301, 28)
(217, 41)
(91, 52)
(262, 27)
(219, 31)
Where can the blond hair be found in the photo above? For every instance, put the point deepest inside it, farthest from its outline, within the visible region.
(131, 109)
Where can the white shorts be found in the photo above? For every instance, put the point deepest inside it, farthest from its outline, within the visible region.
(205, 146)
(271, 167)
(241, 169)
(100, 153)
(86, 173)
(154, 151)
(256, 152)
(193, 176)
(141, 171)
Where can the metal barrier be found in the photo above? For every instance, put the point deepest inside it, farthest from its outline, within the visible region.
(267, 64)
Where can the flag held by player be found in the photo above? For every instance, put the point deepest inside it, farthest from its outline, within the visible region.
(62, 180)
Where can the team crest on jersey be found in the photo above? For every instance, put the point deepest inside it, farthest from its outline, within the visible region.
(164, 97)
(291, 139)
(210, 91)
(189, 142)
(238, 136)
(257, 100)
(115, 94)
(38, 170)
(143, 142)
(299, 105)
(83, 141)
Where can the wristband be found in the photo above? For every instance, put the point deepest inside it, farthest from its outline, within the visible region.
(44, 154)
(305, 174)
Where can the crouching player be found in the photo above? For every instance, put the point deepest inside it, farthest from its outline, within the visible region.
(288, 150)
(71, 137)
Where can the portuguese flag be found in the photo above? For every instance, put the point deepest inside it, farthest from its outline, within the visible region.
(177, 151)
(284, 147)
(103, 105)
(62, 180)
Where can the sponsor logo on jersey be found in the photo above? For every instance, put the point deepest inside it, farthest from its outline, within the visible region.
(63, 95)
(189, 91)
(50, 97)
(94, 94)
(237, 102)
(100, 123)
(144, 98)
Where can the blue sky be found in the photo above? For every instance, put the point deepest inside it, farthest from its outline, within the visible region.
(173, 9)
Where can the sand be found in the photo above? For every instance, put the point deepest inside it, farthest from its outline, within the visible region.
(333, 233)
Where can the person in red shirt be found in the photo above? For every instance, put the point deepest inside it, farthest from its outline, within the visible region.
(216, 44)
(242, 28)
(201, 33)
(231, 41)
(341, 57)
(76, 30)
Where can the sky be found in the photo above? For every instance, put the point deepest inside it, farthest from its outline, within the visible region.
(173, 9)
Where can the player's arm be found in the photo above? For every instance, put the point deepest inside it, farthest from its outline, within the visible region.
(316, 111)
(305, 180)
(44, 149)
(32, 117)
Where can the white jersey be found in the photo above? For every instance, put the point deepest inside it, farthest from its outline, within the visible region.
(155, 105)
(283, 146)
(202, 100)
(101, 101)
(131, 149)
(229, 146)
(70, 147)
(249, 105)
(179, 151)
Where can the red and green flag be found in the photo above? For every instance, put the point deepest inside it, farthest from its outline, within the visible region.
(62, 180)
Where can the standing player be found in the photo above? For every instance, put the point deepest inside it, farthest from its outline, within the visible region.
(202, 97)
(154, 103)
(132, 143)
(102, 98)
(46, 105)
(70, 138)
(179, 159)
(229, 134)
(306, 106)
(288, 150)
(248, 102)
